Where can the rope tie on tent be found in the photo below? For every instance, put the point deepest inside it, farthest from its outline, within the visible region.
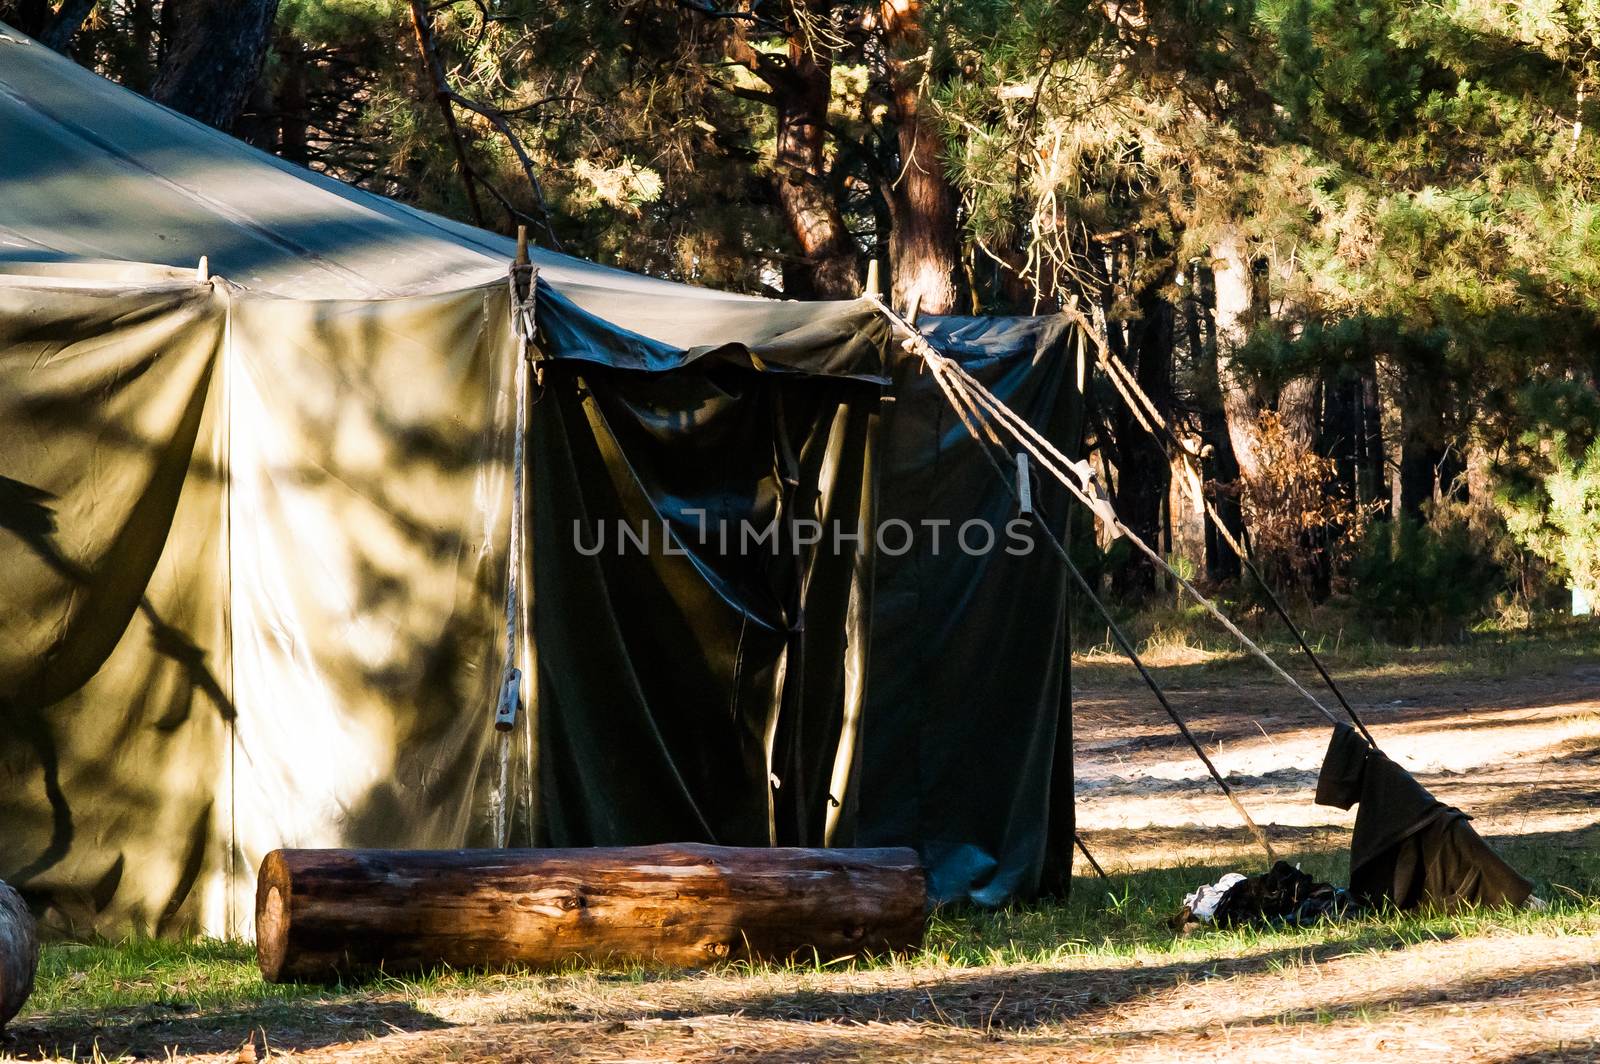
(1081, 485)
(972, 418)
(1146, 413)
(1043, 452)
(981, 429)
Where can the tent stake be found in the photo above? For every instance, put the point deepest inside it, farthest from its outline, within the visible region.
(1101, 872)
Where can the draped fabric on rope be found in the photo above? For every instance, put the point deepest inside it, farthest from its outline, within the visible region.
(255, 543)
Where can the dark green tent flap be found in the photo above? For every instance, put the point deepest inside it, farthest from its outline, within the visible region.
(674, 686)
(966, 744)
(787, 670)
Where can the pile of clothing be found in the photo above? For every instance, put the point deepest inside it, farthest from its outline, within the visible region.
(1283, 896)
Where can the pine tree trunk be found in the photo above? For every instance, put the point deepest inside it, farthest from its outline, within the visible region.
(1393, 433)
(801, 94)
(1416, 457)
(924, 243)
(1221, 467)
(1234, 278)
(213, 63)
(1298, 409)
(66, 23)
(1145, 344)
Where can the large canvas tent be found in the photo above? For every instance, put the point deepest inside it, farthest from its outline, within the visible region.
(258, 552)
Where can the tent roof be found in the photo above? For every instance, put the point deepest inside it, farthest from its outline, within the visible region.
(91, 172)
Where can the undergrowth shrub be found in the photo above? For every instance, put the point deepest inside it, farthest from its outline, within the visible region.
(1558, 517)
(1424, 581)
(1303, 521)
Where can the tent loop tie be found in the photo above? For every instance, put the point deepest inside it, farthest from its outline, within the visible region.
(523, 280)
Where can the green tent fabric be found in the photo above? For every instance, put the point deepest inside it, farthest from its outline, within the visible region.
(256, 527)
(968, 728)
(827, 687)
(113, 598)
(711, 673)
(246, 604)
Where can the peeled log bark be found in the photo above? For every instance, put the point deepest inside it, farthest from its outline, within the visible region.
(325, 913)
(19, 953)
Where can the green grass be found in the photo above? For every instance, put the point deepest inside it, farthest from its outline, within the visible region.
(198, 973)
(1128, 916)
(1176, 634)
(1120, 921)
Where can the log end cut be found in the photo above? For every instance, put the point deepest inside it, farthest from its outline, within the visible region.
(272, 916)
(19, 953)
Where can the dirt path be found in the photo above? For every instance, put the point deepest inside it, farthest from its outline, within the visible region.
(1521, 754)
(1516, 998)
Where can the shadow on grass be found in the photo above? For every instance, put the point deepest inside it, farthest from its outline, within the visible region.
(1584, 1051)
(150, 1031)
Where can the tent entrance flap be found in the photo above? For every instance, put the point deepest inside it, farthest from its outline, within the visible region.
(692, 632)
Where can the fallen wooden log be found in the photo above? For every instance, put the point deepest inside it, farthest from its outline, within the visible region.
(327, 913)
(19, 953)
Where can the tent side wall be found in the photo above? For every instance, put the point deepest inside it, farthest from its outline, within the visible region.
(115, 678)
(254, 556)
(371, 448)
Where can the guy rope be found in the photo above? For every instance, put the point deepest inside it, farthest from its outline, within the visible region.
(989, 422)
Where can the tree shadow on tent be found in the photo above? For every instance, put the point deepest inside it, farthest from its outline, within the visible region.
(26, 512)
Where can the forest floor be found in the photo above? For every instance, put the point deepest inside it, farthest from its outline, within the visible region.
(1508, 730)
